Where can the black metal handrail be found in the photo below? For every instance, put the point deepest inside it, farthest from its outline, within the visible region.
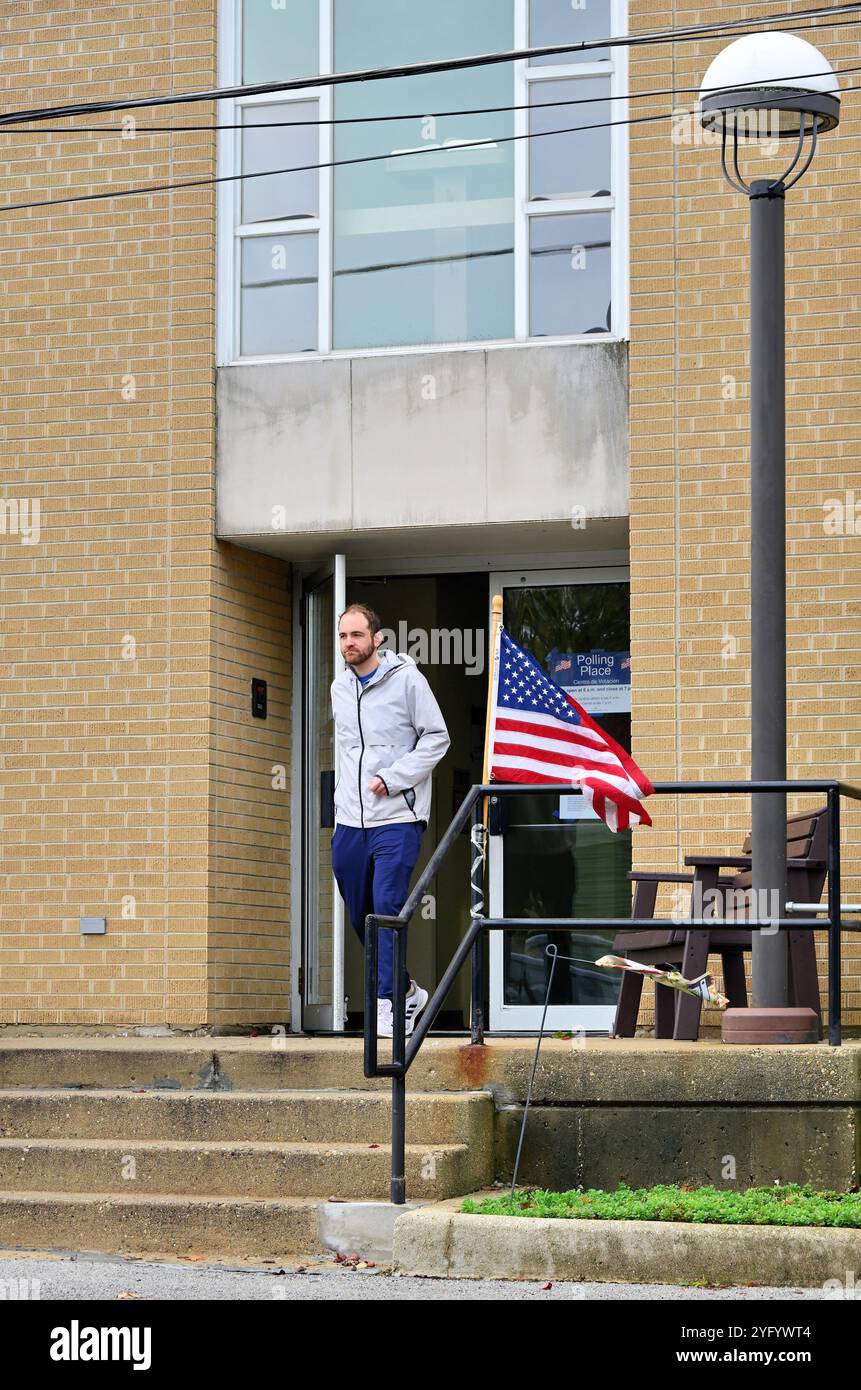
(473, 942)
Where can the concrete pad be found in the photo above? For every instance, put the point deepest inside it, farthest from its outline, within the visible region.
(440, 1241)
(365, 1229)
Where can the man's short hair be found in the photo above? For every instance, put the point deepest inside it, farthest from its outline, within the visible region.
(374, 620)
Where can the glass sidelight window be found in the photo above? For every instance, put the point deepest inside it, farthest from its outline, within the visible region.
(480, 205)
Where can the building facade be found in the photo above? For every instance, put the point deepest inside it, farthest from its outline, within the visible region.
(477, 336)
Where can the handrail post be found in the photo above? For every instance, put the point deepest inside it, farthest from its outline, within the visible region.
(399, 1002)
(398, 1185)
(371, 957)
(399, 1082)
(477, 881)
(835, 909)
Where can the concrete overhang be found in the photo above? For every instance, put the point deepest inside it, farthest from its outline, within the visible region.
(471, 451)
(602, 541)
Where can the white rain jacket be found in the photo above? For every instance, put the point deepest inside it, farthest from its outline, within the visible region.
(392, 727)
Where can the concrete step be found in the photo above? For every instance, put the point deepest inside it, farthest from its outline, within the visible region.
(595, 1071)
(232, 1064)
(282, 1230)
(216, 1169)
(282, 1116)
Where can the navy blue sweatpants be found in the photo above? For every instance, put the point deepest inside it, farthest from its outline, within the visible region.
(373, 870)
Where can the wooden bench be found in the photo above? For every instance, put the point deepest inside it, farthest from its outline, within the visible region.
(678, 1015)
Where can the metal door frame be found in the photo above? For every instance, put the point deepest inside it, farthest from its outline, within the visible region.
(319, 1018)
(513, 1018)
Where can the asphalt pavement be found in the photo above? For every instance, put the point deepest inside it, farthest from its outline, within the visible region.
(68, 1277)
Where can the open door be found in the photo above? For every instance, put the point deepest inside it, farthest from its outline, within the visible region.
(323, 598)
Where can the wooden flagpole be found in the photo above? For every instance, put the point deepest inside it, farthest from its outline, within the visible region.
(496, 620)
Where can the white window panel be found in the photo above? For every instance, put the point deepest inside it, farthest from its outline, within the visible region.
(570, 275)
(280, 136)
(557, 69)
(278, 304)
(574, 163)
(284, 228)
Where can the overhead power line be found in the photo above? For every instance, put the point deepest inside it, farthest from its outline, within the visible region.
(211, 180)
(823, 15)
(404, 116)
(461, 145)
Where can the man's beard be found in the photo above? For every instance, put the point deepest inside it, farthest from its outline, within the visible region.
(363, 654)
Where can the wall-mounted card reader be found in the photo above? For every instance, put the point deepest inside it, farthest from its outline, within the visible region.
(258, 698)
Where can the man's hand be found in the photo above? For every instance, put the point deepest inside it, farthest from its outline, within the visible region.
(378, 787)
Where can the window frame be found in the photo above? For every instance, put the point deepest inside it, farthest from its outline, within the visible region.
(230, 232)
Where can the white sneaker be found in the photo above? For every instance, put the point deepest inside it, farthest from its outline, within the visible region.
(415, 1003)
(384, 1018)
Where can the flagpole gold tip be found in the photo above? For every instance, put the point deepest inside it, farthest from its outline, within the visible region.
(497, 605)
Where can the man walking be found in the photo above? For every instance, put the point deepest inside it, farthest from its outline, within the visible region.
(391, 735)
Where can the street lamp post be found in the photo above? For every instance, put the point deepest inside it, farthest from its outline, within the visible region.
(770, 86)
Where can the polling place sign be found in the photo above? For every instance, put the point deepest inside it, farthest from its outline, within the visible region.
(599, 681)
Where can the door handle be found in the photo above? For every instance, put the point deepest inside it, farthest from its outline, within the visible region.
(327, 800)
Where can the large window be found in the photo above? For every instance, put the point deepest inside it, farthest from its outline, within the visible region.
(480, 205)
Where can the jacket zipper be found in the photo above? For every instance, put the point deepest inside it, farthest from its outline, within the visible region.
(362, 754)
(359, 693)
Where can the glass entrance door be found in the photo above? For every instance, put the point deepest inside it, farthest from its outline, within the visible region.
(322, 907)
(553, 857)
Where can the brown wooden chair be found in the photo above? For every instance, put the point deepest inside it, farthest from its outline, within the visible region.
(677, 1015)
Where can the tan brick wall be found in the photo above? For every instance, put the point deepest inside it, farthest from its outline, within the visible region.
(127, 627)
(250, 850)
(690, 458)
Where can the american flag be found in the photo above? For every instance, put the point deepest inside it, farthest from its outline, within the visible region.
(539, 734)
